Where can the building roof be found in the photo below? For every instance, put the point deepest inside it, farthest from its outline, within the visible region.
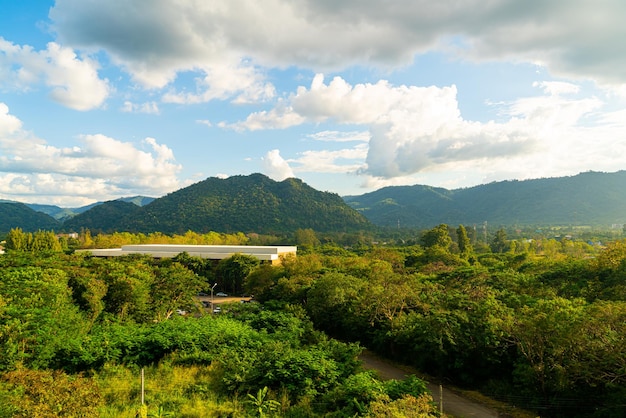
(214, 252)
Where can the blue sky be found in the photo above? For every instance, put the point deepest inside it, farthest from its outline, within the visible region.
(105, 99)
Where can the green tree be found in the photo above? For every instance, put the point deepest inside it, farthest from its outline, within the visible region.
(465, 246)
(500, 244)
(333, 302)
(306, 237)
(233, 270)
(437, 237)
(16, 240)
(174, 287)
(45, 241)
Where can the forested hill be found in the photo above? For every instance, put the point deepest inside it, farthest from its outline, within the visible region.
(252, 203)
(14, 214)
(589, 198)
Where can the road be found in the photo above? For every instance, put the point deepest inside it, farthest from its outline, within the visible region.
(453, 404)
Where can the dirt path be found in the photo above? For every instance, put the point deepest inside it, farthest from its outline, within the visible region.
(453, 404)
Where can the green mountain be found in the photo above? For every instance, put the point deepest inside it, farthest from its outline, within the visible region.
(590, 198)
(18, 215)
(102, 217)
(63, 214)
(252, 203)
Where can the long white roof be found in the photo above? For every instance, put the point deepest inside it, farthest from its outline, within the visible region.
(214, 252)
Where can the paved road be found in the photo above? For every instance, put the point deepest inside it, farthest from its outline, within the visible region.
(453, 404)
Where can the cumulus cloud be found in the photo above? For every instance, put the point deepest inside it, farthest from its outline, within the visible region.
(275, 167)
(222, 82)
(97, 167)
(73, 81)
(280, 117)
(414, 130)
(156, 39)
(348, 160)
(9, 124)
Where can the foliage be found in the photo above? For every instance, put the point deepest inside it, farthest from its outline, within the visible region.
(548, 201)
(408, 406)
(232, 271)
(17, 215)
(43, 394)
(40, 241)
(261, 405)
(252, 203)
(538, 325)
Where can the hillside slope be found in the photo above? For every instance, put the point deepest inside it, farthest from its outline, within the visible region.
(252, 203)
(18, 215)
(590, 198)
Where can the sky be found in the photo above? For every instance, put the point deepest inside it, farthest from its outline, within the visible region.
(107, 99)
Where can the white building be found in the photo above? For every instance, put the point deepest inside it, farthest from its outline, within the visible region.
(264, 253)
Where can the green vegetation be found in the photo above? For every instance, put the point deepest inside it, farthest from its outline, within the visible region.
(252, 203)
(256, 204)
(76, 333)
(586, 199)
(535, 322)
(18, 215)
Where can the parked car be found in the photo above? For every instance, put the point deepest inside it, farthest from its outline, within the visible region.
(221, 294)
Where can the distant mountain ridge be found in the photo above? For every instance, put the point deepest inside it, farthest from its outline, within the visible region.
(591, 198)
(63, 214)
(255, 203)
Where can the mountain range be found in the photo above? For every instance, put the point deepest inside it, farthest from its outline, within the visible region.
(255, 203)
(590, 198)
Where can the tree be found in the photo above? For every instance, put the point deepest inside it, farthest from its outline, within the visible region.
(16, 240)
(500, 244)
(306, 237)
(465, 246)
(233, 270)
(45, 241)
(174, 287)
(437, 237)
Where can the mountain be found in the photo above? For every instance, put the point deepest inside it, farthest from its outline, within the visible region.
(101, 217)
(63, 214)
(590, 198)
(256, 203)
(18, 215)
(253, 203)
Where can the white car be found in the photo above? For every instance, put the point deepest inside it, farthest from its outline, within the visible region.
(221, 294)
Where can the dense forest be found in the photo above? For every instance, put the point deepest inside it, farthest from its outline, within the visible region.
(257, 204)
(536, 323)
(590, 198)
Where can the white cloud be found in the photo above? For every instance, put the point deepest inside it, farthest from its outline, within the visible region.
(275, 167)
(156, 39)
(337, 136)
(348, 160)
(280, 117)
(98, 167)
(222, 82)
(416, 130)
(9, 124)
(147, 107)
(74, 82)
